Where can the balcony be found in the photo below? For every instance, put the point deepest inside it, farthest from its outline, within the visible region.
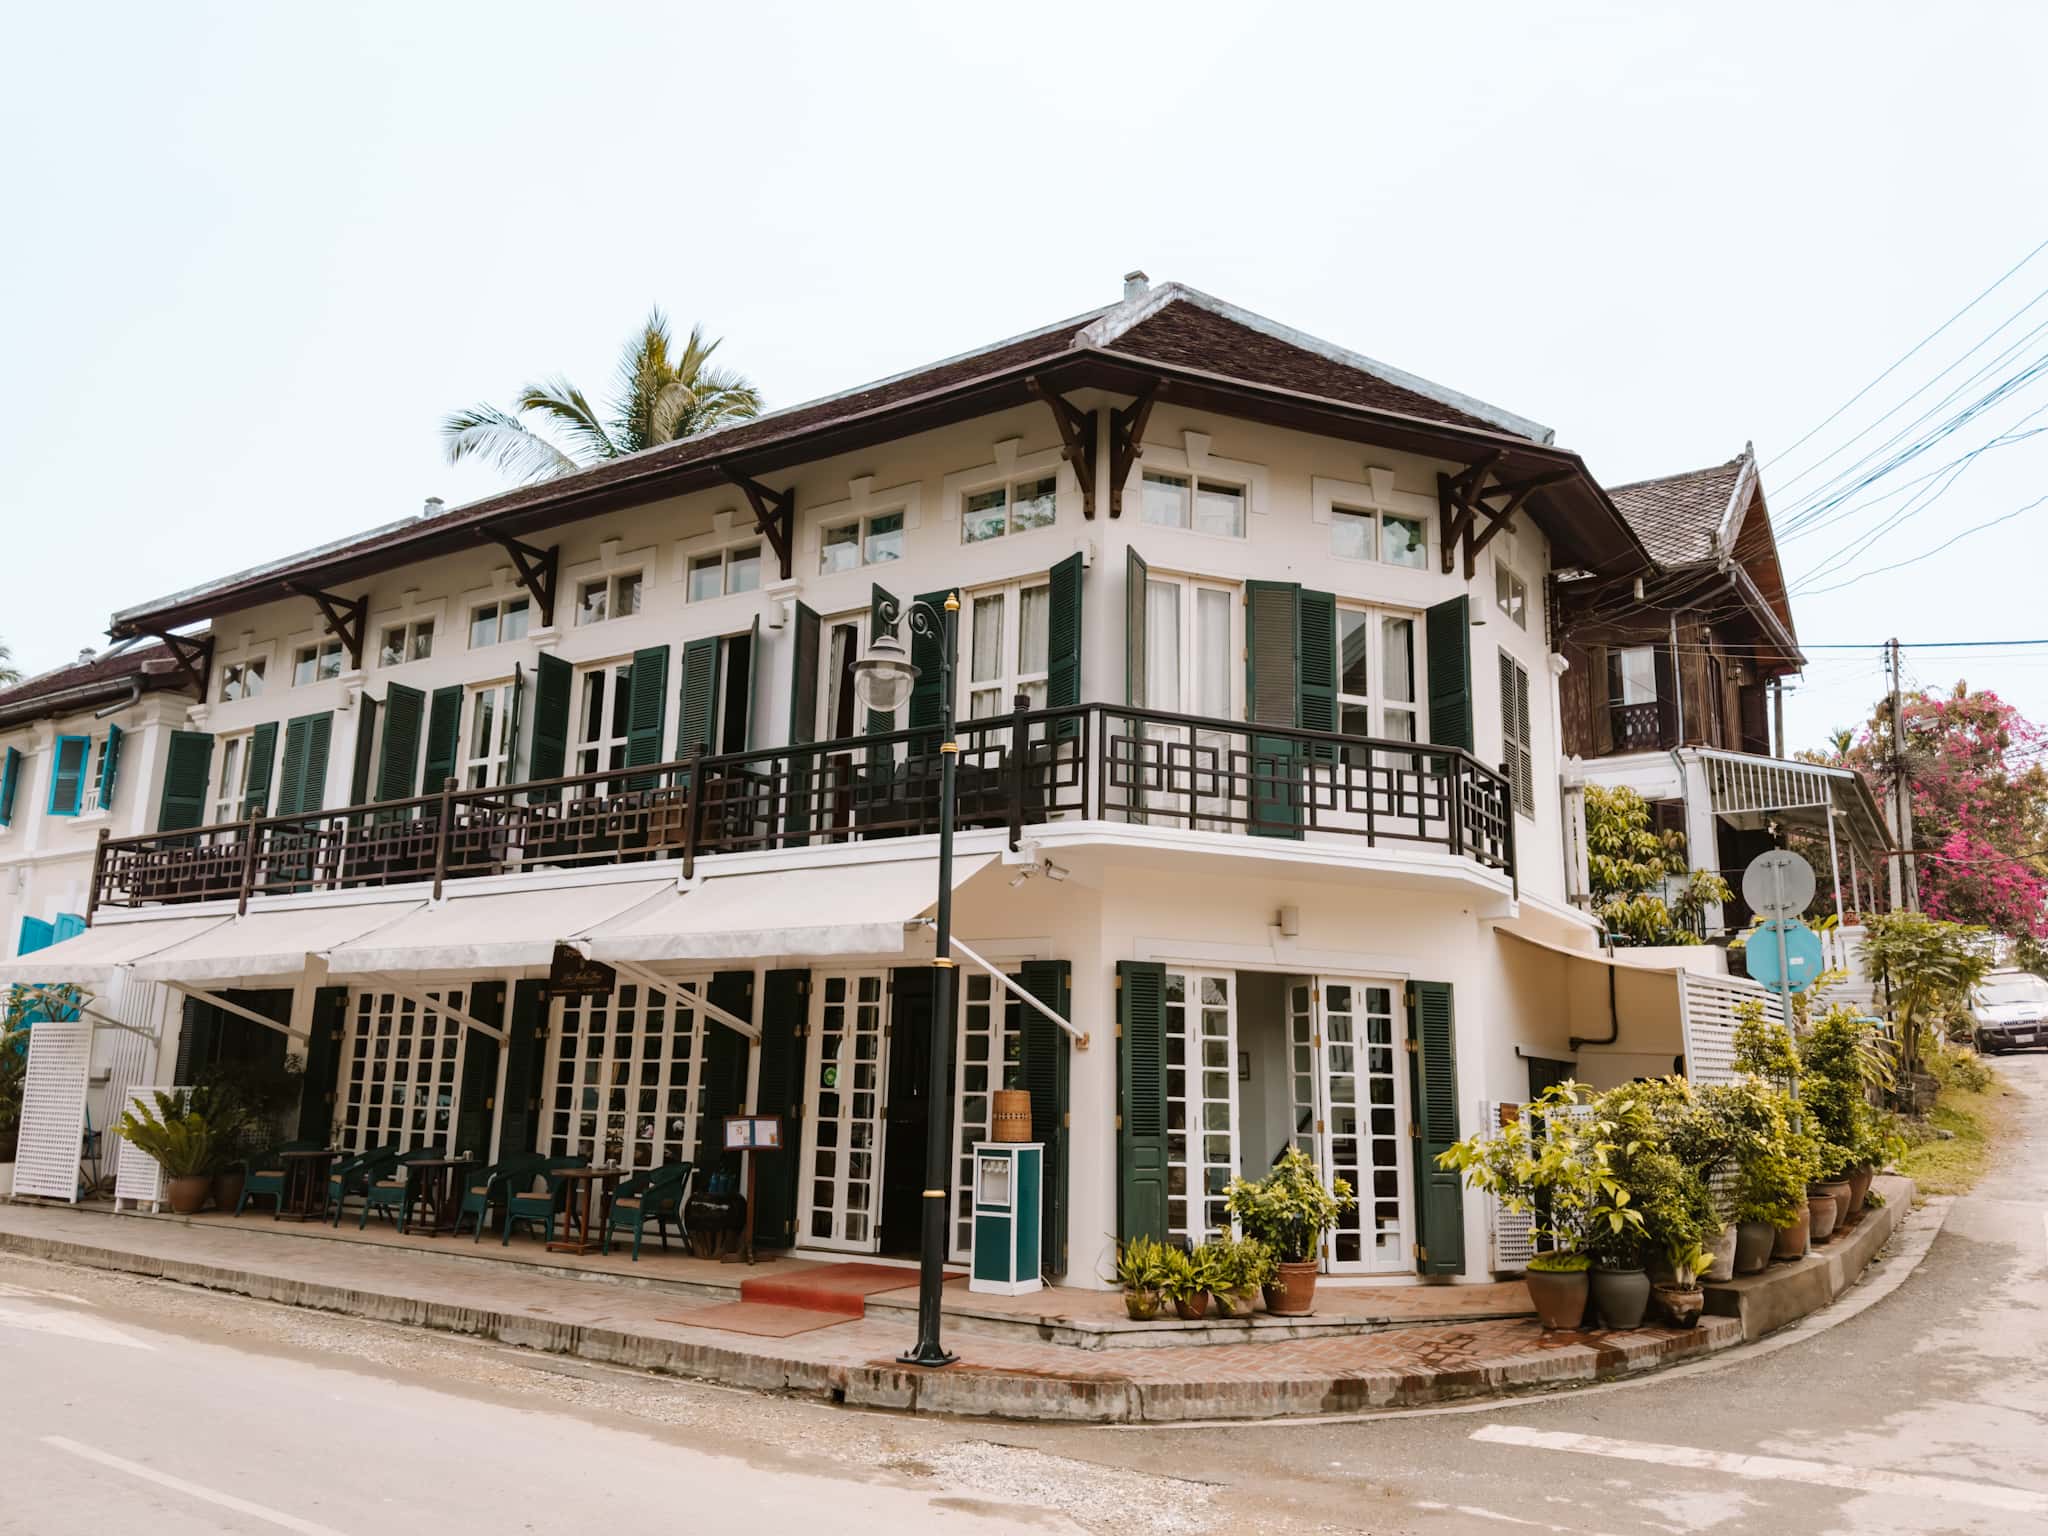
(1094, 762)
(1646, 727)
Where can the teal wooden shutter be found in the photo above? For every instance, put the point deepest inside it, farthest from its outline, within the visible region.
(302, 776)
(476, 1106)
(110, 767)
(444, 730)
(1448, 644)
(647, 712)
(1063, 625)
(1273, 697)
(802, 782)
(188, 764)
(35, 934)
(881, 603)
(928, 655)
(1141, 1099)
(522, 1116)
(10, 775)
(404, 712)
(262, 753)
(1047, 1069)
(67, 774)
(699, 700)
(1433, 1079)
(1137, 582)
(725, 1073)
(69, 925)
(779, 1090)
(365, 752)
(1318, 616)
(318, 1087)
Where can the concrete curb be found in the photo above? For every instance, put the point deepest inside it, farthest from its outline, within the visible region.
(1785, 1293)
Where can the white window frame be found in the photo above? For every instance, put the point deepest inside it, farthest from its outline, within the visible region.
(611, 581)
(724, 557)
(499, 607)
(862, 540)
(1010, 674)
(1379, 501)
(828, 674)
(1189, 1037)
(358, 1128)
(321, 651)
(1189, 683)
(832, 1142)
(1375, 702)
(1193, 462)
(225, 804)
(496, 761)
(242, 669)
(1193, 485)
(615, 736)
(409, 632)
(1008, 488)
(577, 1111)
(1510, 592)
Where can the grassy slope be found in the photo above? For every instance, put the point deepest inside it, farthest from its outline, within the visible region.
(1951, 1167)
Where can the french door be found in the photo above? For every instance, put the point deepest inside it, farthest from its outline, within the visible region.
(842, 1146)
(1201, 1101)
(401, 1072)
(991, 1056)
(625, 1075)
(1347, 1095)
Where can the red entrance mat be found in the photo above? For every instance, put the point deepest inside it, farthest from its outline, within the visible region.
(840, 1288)
(762, 1319)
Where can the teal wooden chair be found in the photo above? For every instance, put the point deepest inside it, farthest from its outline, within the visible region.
(493, 1186)
(266, 1178)
(354, 1175)
(540, 1207)
(657, 1196)
(391, 1190)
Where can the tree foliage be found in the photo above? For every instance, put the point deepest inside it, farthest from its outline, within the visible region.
(1929, 967)
(1630, 862)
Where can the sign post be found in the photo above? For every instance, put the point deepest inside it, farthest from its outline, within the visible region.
(1778, 885)
(750, 1135)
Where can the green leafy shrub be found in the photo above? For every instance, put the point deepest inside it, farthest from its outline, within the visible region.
(1557, 1262)
(1290, 1209)
(180, 1140)
(1142, 1264)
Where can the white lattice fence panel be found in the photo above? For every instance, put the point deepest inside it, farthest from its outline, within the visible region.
(53, 1110)
(1709, 1004)
(1513, 1232)
(138, 1180)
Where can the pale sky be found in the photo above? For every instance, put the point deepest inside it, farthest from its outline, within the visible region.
(255, 252)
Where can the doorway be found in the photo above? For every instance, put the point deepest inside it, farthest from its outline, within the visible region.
(907, 1110)
(843, 1126)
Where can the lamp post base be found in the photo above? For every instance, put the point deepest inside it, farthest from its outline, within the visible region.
(928, 1355)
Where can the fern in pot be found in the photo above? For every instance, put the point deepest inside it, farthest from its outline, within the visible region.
(1289, 1211)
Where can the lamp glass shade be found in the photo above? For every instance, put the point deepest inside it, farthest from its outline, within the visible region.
(882, 679)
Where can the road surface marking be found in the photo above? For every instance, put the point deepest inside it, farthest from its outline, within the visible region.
(1479, 1512)
(178, 1484)
(1783, 1469)
(68, 1325)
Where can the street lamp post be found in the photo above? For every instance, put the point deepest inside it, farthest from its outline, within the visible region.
(883, 680)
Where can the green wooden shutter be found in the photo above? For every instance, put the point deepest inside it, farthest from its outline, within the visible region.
(725, 1074)
(10, 775)
(1433, 1104)
(779, 1090)
(444, 730)
(317, 1089)
(522, 1114)
(1448, 642)
(647, 713)
(262, 755)
(802, 782)
(1048, 1059)
(1273, 697)
(404, 712)
(188, 764)
(1137, 580)
(1063, 625)
(1141, 1099)
(365, 750)
(476, 1107)
(1319, 666)
(928, 655)
(554, 684)
(110, 767)
(699, 725)
(1516, 744)
(302, 777)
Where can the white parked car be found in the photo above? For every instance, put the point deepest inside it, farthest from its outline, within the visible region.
(2010, 1009)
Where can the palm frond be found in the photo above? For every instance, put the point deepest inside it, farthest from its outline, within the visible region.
(644, 372)
(564, 406)
(485, 432)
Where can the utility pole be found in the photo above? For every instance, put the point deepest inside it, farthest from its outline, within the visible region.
(1778, 710)
(1905, 878)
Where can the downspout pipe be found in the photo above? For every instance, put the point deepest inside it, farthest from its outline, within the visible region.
(1613, 1018)
(134, 693)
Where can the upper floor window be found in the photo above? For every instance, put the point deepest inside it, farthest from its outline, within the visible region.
(1517, 739)
(316, 663)
(487, 741)
(67, 774)
(1510, 593)
(1191, 656)
(605, 699)
(864, 541)
(1190, 501)
(493, 623)
(1632, 675)
(1009, 648)
(231, 784)
(406, 642)
(1015, 508)
(1378, 674)
(608, 597)
(1361, 534)
(724, 572)
(241, 680)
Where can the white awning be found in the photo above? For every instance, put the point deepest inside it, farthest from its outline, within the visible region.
(94, 955)
(836, 909)
(495, 932)
(270, 945)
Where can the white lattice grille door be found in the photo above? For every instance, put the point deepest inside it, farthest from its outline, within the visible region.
(626, 1077)
(843, 1112)
(1201, 1101)
(401, 1072)
(990, 1056)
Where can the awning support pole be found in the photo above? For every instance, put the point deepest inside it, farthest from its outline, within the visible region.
(679, 997)
(1080, 1037)
(397, 988)
(99, 1020)
(215, 1000)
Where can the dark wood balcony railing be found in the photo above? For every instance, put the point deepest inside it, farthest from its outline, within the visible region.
(1094, 761)
(1646, 727)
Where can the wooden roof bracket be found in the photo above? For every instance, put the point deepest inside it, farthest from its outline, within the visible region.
(1464, 499)
(1077, 438)
(1498, 517)
(1127, 441)
(1457, 497)
(539, 571)
(774, 516)
(348, 618)
(193, 655)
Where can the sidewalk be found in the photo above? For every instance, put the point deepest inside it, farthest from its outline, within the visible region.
(1004, 1375)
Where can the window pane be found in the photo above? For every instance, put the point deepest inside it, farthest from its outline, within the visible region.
(1166, 500)
(988, 638)
(1397, 660)
(1399, 724)
(513, 625)
(590, 603)
(252, 678)
(483, 627)
(423, 640)
(626, 595)
(1219, 509)
(1635, 675)
(302, 667)
(707, 576)
(1402, 542)
(593, 706)
(392, 651)
(1035, 504)
(1351, 534)
(885, 538)
(330, 661)
(1354, 675)
(1355, 720)
(1162, 645)
(1212, 630)
(984, 516)
(1034, 637)
(743, 569)
(841, 549)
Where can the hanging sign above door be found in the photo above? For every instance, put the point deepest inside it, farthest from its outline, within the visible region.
(574, 975)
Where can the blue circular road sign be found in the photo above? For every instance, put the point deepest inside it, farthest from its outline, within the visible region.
(1802, 955)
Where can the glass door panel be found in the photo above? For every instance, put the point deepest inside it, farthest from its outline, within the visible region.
(843, 1112)
(1201, 1102)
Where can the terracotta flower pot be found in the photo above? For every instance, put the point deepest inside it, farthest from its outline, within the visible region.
(1753, 1243)
(227, 1189)
(1559, 1297)
(1292, 1293)
(1723, 1250)
(1143, 1306)
(1820, 1216)
(1621, 1296)
(1192, 1309)
(1839, 1189)
(1859, 1189)
(1793, 1239)
(1237, 1303)
(187, 1192)
(1679, 1306)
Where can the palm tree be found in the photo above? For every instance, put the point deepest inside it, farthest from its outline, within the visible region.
(660, 398)
(9, 673)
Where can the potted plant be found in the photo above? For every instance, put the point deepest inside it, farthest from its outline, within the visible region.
(1558, 1288)
(1289, 1210)
(1141, 1269)
(181, 1143)
(1680, 1300)
(1189, 1281)
(245, 1103)
(1243, 1266)
(1650, 1201)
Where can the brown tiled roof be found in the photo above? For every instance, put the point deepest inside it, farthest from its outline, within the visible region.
(1677, 516)
(17, 703)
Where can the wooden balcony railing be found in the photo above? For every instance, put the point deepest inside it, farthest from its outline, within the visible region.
(1092, 761)
(1649, 727)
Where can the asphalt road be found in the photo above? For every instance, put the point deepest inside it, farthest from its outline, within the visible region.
(129, 1405)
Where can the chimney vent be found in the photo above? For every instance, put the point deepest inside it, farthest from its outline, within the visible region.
(434, 507)
(87, 654)
(1136, 284)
